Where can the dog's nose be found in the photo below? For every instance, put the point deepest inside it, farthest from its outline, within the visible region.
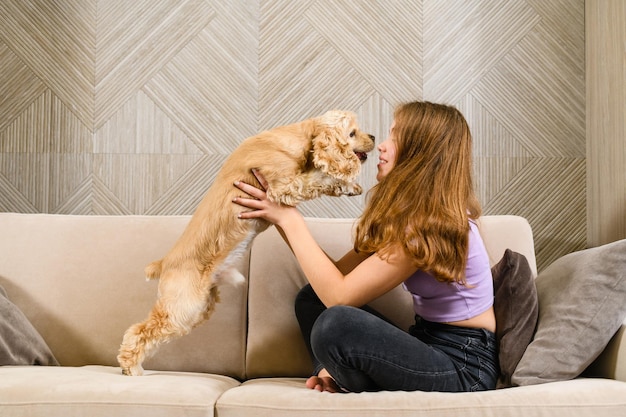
(372, 137)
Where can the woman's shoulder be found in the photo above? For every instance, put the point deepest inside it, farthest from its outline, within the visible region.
(477, 256)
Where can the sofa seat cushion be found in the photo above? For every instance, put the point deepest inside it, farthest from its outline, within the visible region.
(103, 391)
(276, 397)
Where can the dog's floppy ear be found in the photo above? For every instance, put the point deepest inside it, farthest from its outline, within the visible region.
(332, 153)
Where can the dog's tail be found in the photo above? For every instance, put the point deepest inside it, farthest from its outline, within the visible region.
(153, 271)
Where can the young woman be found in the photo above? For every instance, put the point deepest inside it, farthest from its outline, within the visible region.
(418, 229)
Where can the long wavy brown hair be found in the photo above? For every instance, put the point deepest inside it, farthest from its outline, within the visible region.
(424, 204)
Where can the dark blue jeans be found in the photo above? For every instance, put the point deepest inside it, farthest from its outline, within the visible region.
(363, 351)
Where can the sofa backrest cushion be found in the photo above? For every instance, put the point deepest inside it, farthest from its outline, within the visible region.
(581, 306)
(275, 345)
(20, 343)
(80, 282)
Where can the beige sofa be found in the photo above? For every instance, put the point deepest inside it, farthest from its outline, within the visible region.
(78, 279)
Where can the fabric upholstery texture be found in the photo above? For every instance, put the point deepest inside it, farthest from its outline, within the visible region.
(516, 308)
(76, 276)
(287, 397)
(508, 232)
(20, 343)
(582, 303)
(102, 391)
(79, 281)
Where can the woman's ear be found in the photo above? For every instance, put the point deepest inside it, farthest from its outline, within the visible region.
(333, 155)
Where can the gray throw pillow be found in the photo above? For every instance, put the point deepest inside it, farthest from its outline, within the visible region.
(516, 308)
(20, 343)
(582, 303)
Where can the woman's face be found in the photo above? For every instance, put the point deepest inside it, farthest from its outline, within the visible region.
(387, 158)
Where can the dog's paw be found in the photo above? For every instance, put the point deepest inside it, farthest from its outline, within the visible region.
(229, 276)
(352, 189)
(153, 270)
(133, 371)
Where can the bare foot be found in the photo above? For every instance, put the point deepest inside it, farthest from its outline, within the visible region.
(322, 382)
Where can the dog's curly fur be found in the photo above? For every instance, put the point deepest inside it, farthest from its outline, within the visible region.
(300, 162)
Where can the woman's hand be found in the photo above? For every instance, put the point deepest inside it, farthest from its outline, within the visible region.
(261, 207)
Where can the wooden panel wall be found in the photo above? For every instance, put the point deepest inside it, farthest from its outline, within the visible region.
(606, 120)
(130, 106)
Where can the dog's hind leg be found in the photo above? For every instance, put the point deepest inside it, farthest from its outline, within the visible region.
(141, 338)
(175, 314)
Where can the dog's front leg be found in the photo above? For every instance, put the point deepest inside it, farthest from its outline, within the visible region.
(309, 185)
(350, 188)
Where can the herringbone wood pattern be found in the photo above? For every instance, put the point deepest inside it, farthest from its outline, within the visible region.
(123, 107)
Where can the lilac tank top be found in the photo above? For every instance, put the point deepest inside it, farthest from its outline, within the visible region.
(445, 302)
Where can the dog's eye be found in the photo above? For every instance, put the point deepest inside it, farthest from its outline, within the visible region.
(352, 133)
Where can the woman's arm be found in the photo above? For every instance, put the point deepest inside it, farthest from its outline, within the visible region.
(351, 260)
(355, 280)
(345, 264)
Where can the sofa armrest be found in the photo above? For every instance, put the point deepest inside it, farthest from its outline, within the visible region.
(612, 361)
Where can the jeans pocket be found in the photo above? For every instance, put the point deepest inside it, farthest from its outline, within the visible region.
(474, 352)
(485, 370)
(485, 376)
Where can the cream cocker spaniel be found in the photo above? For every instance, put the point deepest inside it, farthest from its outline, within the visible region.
(300, 161)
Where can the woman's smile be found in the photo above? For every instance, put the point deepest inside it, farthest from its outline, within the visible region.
(387, 157)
